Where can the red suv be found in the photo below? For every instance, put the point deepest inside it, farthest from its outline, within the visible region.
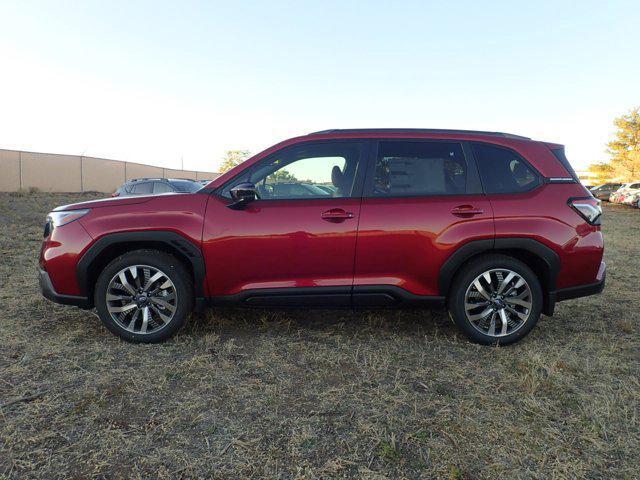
(495, 226)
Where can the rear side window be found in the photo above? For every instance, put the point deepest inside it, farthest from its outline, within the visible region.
(142, 187)
(419, 168)
(503, 171)
(186, 186)
(161, 187)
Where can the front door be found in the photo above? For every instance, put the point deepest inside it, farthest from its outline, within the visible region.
(299, 238)
(422, 200)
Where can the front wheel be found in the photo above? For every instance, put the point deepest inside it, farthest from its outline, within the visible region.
(144, 296)
(495, 299)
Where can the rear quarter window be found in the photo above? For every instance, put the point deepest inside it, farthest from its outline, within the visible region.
(504, 171)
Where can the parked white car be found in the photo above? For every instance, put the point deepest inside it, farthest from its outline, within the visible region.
(631, 195)
(620, 195)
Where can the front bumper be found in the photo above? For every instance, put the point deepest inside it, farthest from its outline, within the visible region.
(46, 287)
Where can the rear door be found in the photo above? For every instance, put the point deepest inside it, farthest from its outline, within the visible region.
(422, 200)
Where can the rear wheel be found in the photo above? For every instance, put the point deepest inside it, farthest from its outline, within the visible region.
(144, 296)
(495, 299)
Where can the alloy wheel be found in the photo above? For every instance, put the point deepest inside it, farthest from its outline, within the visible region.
(498, 302)
(141, 299)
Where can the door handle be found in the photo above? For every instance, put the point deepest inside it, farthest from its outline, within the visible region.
(466, 211)
(336, 215)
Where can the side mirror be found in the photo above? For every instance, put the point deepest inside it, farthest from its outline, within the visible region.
(242, 194)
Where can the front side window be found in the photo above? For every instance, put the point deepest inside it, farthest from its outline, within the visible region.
(322, 170)
(419, 168)
(503, 171)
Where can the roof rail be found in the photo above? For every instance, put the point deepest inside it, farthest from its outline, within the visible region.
(419, 130)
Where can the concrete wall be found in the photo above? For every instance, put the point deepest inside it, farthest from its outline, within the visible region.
(101, 175)
(51, 173)
(137, 170)
(206, 175)
(9, 170)
(171, 173)
(71, 173)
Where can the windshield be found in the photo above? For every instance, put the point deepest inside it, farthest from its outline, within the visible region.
(186, 186)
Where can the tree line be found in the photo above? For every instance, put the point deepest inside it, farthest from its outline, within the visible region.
(624, 149)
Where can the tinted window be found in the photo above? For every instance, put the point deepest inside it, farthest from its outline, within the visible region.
(186, 185)
(142, 187)
(419, 168)
(503, 171)
(309, 171)
(161, 187)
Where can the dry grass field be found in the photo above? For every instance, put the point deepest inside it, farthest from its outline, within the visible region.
(326, 394)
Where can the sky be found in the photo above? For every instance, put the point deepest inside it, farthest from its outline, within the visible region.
(179, 83)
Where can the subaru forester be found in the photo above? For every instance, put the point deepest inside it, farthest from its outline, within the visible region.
(494, 226)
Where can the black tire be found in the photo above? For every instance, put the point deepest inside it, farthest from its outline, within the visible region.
(462, 282)
(167, 264)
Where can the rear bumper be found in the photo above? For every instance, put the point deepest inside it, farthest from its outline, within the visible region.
(46, 287)
(579, 290)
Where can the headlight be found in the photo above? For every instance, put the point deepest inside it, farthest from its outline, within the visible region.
(59, 219)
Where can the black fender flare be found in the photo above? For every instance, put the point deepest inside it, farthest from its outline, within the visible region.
(174, 241)
(465, 252)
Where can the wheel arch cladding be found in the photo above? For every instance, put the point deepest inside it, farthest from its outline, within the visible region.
(544, 262)
(113, 245)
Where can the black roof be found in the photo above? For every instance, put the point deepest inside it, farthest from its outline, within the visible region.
(418, 130)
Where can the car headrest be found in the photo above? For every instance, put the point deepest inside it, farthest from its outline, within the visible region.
(337, 177)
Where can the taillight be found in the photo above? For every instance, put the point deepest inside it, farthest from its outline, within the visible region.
(588, 208)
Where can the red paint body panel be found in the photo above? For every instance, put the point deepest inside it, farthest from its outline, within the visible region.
(107, 202)
(59, 255)
(180, 213)
(278, 243)
(544, 215)
(404, 241)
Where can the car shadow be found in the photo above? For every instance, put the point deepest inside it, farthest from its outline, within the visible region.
(245, 321)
